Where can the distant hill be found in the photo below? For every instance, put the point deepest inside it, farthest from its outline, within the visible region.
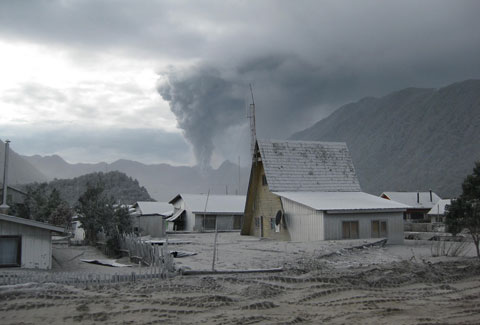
(121, 187)
(162, 181)
(412, 139)
(20, 171)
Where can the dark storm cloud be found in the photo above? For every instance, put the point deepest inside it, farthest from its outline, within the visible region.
(205, 104)
(82, 144)
(303, 58)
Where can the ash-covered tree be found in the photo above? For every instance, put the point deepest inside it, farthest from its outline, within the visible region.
(40, 205)
(464, 212)
(98, 212)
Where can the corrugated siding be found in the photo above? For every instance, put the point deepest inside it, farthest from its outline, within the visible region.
(303, 223)
(333, 225)
(36, 244)
(224, 222)
(152, 225)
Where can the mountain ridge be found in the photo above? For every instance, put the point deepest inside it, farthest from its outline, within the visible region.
(412, 139)
(162, 181)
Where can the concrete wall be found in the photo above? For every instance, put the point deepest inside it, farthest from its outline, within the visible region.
(36, 244)
(151, 225)
(303, 223)
(333, 225)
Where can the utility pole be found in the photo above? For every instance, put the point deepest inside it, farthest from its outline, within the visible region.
(251, 117)
(4, 207)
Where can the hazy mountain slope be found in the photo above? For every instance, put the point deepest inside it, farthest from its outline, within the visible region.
(413, 139)
(162, 181)
(20, 171)
(55, 167)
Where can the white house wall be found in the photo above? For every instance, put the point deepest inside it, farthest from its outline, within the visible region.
(36, 244)
(333, 225)
(189, 216)
(303, 223)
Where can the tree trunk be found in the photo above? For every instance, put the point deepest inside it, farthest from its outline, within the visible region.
(476, 242)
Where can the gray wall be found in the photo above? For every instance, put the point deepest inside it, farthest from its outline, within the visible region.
(36, 244)
(333, 225)
(151, 225)
(303, 223)
(224, 222)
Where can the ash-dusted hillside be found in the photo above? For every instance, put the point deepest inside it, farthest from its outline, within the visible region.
(162, 181)
(121, 187)
(20, 171)
(413, 139)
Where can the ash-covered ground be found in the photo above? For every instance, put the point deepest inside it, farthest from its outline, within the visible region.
(322, 282)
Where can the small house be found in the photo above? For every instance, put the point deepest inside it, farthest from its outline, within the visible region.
(419, 203)
(438, 212)
(26, 243)
(149, 217)
(306, 191)
(202, 212)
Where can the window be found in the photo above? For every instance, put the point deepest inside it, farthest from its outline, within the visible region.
(379, 229)
(237, 222)
(264, 180)
(210, 222)
(272, 223)
(350, 230)
(257, 222)
(10, 250)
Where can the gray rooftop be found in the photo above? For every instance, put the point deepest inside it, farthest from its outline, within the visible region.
(300, 166)
(31, 223)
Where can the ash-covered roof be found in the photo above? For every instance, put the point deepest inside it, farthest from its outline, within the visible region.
(197, 203)
(342, 201)
(154, 208)
(439, 207)
(300, 166)
(419, 200)
(31, 223)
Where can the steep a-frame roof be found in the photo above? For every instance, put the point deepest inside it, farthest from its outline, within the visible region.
(299, 166)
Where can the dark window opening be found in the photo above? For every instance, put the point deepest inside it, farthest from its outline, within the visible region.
(379, 229)
(10, 251)
(237, 222)
(264, 180)
(210, 222)
(350, 230)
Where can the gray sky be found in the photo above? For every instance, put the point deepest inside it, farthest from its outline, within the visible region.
(167, 81)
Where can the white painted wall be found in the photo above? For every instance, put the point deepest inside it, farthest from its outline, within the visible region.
(303, 223)
(333, 225)
(36, 244)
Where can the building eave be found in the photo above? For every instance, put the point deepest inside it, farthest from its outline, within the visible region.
(32, 223)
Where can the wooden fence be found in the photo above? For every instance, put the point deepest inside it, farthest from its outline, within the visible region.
(157, 260)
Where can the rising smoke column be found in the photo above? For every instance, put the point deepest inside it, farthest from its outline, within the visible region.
(205, 104)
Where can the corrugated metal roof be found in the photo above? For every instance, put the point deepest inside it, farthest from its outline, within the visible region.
(292, 166)
(149, 208)
(439, 207)
(328, 201)
(410, 199)
(216, 203)
(31, 223)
